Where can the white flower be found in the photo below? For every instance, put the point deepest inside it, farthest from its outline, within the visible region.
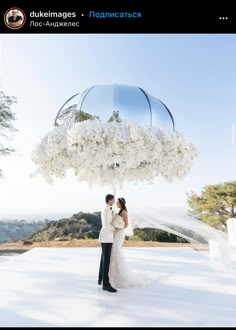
(114, 153)
(118, 222)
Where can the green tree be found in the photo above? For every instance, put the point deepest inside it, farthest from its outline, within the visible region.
(215, 204)
(6, 127)
(155, 235)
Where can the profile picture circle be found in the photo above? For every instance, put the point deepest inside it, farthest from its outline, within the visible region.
(14, 18)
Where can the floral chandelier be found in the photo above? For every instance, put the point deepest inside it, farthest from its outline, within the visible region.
(130, 139)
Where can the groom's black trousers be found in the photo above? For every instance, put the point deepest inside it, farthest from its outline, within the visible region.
(105, 263)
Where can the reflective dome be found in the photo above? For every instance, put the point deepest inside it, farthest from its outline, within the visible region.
(129, 103)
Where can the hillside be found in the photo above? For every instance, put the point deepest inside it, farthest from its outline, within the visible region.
(14, 230)
(87, 226)
(79, 226)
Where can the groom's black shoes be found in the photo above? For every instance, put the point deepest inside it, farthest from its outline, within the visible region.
(99, 282)
(109, 288)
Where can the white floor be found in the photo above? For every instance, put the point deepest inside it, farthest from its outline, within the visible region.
(4, 258)
(58, 287)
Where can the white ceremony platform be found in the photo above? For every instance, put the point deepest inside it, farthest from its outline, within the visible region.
(58, 287)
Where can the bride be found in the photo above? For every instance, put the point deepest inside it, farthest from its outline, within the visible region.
(119, 273)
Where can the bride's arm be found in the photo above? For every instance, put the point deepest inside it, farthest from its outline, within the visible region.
(125, 217)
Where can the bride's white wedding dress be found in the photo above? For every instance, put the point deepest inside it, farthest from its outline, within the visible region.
(120, 275)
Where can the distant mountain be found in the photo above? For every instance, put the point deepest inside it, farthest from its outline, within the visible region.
(14, 230)
(79, 226)
(33, 217)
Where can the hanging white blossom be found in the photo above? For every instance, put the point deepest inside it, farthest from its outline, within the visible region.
(114, 153)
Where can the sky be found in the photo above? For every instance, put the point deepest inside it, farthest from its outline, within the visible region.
(193, 74)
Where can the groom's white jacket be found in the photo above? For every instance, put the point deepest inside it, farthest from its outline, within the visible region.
(107, 232)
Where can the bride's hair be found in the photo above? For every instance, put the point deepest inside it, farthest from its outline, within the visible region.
(122, 204)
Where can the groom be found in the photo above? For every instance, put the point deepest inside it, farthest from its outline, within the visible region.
(106, 238)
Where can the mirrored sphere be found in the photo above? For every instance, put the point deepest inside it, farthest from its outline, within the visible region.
(123, 103)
